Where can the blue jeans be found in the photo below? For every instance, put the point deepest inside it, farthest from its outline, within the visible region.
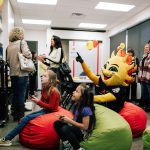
(19, 87)
(145, 93)
(23, 122)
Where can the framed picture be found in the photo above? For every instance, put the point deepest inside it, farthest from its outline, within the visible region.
(91, 57)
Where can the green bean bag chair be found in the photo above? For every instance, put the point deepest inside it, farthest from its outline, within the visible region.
(111, 132)
(146, 139)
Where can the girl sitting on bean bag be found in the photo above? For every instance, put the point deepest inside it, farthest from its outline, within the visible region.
(74, 131)
(49, 102)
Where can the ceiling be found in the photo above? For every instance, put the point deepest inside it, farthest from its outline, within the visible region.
(62, 16)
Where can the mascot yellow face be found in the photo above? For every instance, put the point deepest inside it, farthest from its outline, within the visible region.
(115, 71)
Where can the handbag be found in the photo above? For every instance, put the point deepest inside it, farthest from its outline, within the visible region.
(25, 63)
(64, 68)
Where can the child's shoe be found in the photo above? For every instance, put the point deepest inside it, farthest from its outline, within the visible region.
(67, 146)
(80, 148)
(4, 142)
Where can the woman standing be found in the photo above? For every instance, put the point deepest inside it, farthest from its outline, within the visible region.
(144, 77)
(55, 57)
(19, 78)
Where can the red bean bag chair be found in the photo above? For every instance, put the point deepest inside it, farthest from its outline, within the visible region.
(136, 117)
(39, 133)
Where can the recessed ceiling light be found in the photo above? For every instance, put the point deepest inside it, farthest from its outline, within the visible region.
(91, 25)
(114, 6)
(38, 22)
(46, 2)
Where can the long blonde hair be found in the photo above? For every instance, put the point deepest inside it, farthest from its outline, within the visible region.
(52, 81)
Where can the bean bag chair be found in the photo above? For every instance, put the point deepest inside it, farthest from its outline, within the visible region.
(39, 132)
(111, 132)
(146, 139)
(136, 117)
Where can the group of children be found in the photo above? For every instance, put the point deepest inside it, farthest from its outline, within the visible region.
(70, 131)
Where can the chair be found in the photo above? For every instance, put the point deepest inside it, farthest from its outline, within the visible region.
(111, 132)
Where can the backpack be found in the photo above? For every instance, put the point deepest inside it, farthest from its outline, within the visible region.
(64, 68)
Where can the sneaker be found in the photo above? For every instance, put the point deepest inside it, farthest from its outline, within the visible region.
(80, 148)
(2, 123)
(27, 109)
(67, 145)
(68, 148)
(4, 142)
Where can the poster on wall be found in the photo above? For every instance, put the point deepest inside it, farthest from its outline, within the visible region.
(90, 54)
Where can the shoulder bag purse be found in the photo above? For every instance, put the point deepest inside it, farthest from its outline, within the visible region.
(25, 63)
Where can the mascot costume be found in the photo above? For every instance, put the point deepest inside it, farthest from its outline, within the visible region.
(112, 82)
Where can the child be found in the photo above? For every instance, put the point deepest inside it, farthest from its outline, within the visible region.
(49, 101)
(74, 131)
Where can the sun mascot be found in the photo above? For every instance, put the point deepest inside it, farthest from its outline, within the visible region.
(111, 83)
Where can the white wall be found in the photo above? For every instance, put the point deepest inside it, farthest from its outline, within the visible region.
(37, 35)
(40, 36)
(140, 17)
(7, 24)
(10, 18)
(0, 30)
